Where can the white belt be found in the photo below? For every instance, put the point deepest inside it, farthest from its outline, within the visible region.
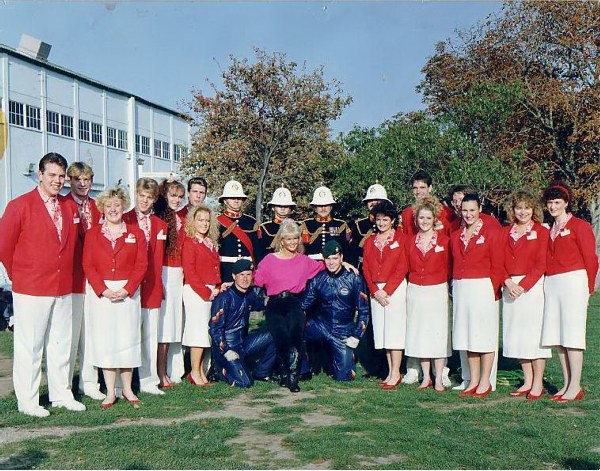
(233, 259)
(316, 256)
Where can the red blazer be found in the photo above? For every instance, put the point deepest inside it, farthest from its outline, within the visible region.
(127, 261)
(36, 261)
(434, 267)
(482, 258)
(574, 249)
(389, 267)
(152, 291)
(526, 256)
(409, 226)
(78, 274)
(201, 266)
(486, 218)
(183, 212)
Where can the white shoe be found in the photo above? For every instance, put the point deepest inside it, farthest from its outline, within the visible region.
(38, 411)
(94, 394)
(154, 390)
(71, 404)
(445, 377)
(411, 376)
(461, 387)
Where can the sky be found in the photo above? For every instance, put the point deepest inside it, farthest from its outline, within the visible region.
(161, 51)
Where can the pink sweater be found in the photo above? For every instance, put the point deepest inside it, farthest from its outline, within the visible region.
(278, 275)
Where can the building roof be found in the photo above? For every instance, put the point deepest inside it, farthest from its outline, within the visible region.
(82, 78)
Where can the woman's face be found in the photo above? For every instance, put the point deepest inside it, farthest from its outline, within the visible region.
(174, 198)
(113, 210)
(425, 220)
(290, 243)
(556, 207)
(202, 222)
(470, 212)
(384, 223)
(523, 212)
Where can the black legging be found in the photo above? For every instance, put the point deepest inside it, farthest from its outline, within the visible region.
(285, 320)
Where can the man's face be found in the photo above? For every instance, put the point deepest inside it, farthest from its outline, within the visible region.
(323, 211)
(243, 280)
(144, 201)
(333, 263)
(81, 185)
(371, 204)
(52, 179)
(196, 195)
(282, 211)
(456, 201)
(234, 204)
(421, 189)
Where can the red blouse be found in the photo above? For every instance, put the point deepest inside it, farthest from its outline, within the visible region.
(201, 266)
(432, 268)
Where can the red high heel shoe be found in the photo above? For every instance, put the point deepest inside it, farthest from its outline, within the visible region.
(555, 397)
(108, 405)
(468, 392)
(131, 401)
(484, 394)
(517, 393)
(533, 397)
(578, 397)
(429, 385)
(388, 387)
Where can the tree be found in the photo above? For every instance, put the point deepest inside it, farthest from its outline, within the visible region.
(267, 126)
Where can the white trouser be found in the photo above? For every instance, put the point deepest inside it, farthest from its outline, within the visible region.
(147, 371)
(466, 371)
(175, 368)
(88, 373)
(41, 322)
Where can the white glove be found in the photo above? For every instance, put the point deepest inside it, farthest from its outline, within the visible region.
(230, 355)
(352, 342)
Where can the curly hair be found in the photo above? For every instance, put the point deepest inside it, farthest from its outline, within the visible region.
(530, 201)
(557, 191)
(116, 192)
(213, 228)
(288, 228)
(387, 209)
(430, 203)
(163, 211)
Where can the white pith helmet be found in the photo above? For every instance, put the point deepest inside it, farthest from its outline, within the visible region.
(232, 189)
(376, 192)
(322, 197)
(282, 197)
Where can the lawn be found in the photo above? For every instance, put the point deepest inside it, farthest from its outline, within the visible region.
(327, 425)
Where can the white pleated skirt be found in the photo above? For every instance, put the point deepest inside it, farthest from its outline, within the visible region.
(197, 316)
(565, 309)
(428, 321)
(389, 322)
(475, 315)
(115, 328)
(170, 319)
(522, 320)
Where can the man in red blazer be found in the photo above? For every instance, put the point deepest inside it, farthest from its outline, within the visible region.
(155, 230)
(39, 232)
(81, 177)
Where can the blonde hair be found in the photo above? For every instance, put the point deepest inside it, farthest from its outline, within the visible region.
(431, 203)
(80, 169)
(147, 184)
(530, 200)
(288, 228)
(213, 229)
(116, 192)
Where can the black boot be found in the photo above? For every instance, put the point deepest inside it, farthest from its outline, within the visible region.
(294, 366)
(283, 370)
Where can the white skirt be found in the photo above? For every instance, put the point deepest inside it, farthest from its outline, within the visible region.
(115, 328)
(475, 311)
(389, 322)
(522, 320)
(565, 309)
(197, 315)
(428, 321)
(170, 319)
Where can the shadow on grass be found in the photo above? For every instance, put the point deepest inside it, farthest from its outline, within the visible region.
(27, 459)
(575, 463)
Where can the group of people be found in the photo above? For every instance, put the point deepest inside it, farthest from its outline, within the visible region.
(133, 288)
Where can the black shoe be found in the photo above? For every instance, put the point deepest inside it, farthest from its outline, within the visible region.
(294, 366)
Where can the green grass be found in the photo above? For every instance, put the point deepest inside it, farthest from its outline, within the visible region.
(335, 425)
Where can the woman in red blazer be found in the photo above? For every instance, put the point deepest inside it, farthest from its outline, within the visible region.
(572, 265)
(384, 268)
(525, 243)
(115, 261)
(427, 328)
(201, 270)
(477, 275)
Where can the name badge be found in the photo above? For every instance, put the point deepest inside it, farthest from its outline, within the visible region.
(75, 220)
(480, 241)
(394, 245)
(565, 232)
(161, 235)
(438, 248)
(532, 235)
(130, 239)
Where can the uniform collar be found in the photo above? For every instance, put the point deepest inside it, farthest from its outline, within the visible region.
(277, 220)
(325, 219)
(238, 292)
(232, 214)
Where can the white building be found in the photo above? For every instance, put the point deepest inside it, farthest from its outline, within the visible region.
(47, 108)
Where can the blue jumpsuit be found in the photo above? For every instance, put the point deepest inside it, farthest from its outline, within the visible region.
(228, 328)
(338, 296)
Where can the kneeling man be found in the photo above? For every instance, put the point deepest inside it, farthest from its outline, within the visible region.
(232, 346)
(339, 293)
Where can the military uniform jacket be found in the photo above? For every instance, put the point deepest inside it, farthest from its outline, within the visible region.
(268, 231)
(316, 232)
(231, 248)
(360, 231)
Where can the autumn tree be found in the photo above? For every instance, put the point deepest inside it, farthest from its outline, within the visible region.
(267, 125)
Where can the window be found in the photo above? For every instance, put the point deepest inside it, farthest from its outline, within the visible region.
(122, 139)
(66, 125)
(84, 130)
(33, 117)
(145, 145)
(15, 113)
(179, 152)
(157, 148)
(97, 133)
(111, 137)
(52, 122)
(137, 144)
(166, 151)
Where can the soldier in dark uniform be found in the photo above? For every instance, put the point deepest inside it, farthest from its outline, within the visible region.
(282, 206)
(239, 234)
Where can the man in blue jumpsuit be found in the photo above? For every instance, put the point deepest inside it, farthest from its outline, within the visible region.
(339, 293)
(234, 349)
